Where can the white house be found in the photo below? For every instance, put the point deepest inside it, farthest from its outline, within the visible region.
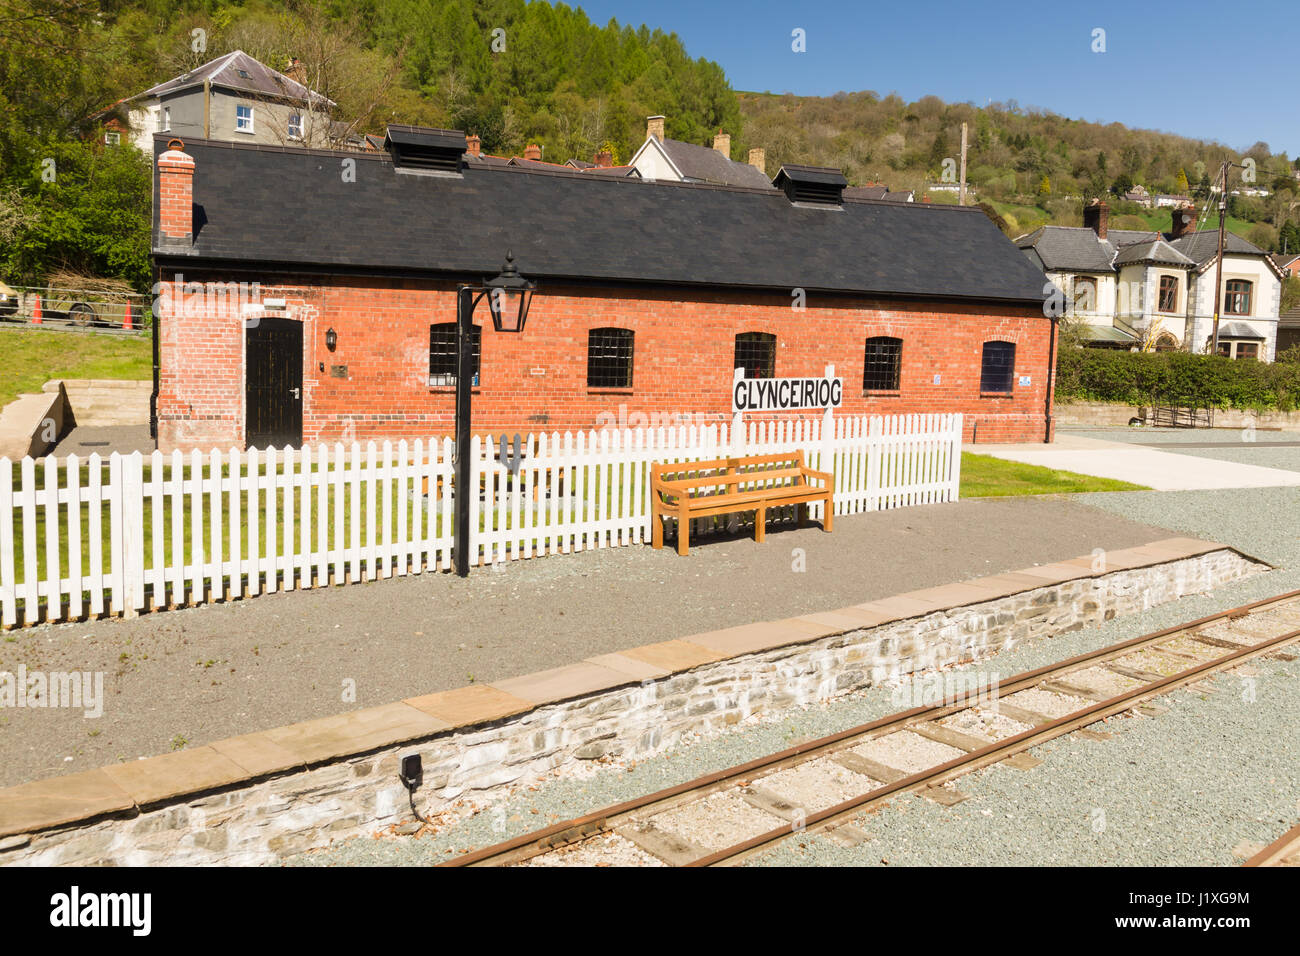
(661, 158)
(1148, 290)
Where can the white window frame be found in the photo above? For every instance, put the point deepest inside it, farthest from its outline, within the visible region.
(251, 116)
(112, 138)
(167, 119)
(298, 135)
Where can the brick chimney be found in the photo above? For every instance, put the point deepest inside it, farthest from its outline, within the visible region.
(1096, 216)
(473, 144)
(533, 151)
(722, 143)
(1184, 221)
(604, 159)
(758, 159)
(176, 192)
(654, 127)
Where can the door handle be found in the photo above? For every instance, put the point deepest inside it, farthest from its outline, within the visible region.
(296, 392)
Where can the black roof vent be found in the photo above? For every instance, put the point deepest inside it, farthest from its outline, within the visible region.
(425, 149)
(813, 185)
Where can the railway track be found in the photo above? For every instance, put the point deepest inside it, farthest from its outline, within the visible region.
(820, 785)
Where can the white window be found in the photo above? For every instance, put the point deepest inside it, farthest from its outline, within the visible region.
(156, 113)
(167, 119)
(243, 119)
(295, 126)
(112, 138)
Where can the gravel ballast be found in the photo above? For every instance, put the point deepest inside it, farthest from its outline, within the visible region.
(1185, 787)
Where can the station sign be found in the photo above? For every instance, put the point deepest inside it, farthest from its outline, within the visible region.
(786, 394)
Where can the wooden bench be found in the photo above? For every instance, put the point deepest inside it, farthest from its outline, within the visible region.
(699, 489)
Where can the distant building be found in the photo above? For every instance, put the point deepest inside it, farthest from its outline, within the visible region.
(1130, 289)
(234, 98)
(1164, 199)
(661, 158)
(1139, 195)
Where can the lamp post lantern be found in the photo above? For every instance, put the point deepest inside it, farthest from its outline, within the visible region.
(509, 296)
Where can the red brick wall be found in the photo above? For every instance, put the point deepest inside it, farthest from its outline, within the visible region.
(537, 381)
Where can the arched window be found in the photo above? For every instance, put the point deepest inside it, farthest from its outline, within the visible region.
(1166, 343)
(609, 358)
(997, 366)
(882, 364)
(442, 353)
(756, 354)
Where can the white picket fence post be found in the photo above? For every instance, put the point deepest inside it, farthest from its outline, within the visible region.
(304, 518)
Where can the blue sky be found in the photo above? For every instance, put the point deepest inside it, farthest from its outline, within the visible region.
(1159, 69)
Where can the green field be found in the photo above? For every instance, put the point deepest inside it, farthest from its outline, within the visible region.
(30, 357)
(986, 477)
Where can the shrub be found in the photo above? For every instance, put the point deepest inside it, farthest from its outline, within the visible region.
(1143, 378)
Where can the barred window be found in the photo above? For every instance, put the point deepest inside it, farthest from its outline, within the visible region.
(884, 356)
(997, 366)
(756, 354)
(609, 358)
(442, 353)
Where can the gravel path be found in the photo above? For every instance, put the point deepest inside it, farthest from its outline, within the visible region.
(184, 678)
(1185, 787)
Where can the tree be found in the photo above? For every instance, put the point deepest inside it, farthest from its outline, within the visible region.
(1044, 190)
(1181, 185)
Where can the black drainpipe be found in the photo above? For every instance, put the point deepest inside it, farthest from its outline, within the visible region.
(153, 398)
(1051, 368)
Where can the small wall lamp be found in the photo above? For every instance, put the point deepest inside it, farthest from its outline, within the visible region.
(331, 340)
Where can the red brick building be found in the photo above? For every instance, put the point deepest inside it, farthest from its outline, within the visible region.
(649, 296)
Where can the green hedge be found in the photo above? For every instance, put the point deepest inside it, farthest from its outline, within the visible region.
(1141, 378)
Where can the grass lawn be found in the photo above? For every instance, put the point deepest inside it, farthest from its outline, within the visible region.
(986, 477)
(30, 357)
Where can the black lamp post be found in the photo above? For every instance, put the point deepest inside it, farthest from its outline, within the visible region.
(509, 296)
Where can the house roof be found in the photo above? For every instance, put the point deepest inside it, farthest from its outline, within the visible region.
(1290, 319)
(865, 192)
(1078, 249)
(1155, 251)
(239, 71)
(1238, 330)
(1105, 333)
(900, 195)
(706, 165)
(562, 224)
(1075, 248)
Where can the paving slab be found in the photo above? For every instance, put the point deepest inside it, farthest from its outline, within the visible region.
(1141, 465)
(280, 659)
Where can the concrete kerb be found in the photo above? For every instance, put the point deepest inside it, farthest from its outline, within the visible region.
(539, 704)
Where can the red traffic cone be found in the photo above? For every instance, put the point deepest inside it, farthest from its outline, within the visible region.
(126, 319)
(36, 311)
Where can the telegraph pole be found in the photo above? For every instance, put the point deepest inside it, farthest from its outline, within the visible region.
(961, 199)
(1218, 266)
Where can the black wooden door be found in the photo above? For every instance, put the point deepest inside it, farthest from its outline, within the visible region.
(274, 384)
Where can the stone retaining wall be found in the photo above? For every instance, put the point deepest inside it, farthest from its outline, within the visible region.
(265, 820)
(1100, 414)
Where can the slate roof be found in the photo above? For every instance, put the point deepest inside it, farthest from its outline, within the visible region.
(900, 195)
(706, 165)
(1155, 251)
(1077, 248)
(1203, 246)
(562, 224)
(1290, 319)
(240, 72)
(1238, 330)
(865, 192)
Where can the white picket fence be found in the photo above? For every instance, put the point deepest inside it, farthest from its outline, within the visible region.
(96, 536)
